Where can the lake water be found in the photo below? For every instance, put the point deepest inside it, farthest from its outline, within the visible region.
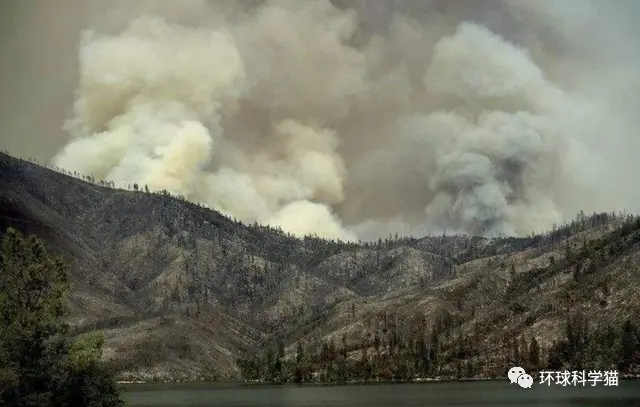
(460, 394)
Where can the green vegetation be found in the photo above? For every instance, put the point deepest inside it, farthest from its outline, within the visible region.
(449, 356)
(39, 365)
(585, 347)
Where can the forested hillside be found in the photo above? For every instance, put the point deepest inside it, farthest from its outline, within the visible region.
(181, 291)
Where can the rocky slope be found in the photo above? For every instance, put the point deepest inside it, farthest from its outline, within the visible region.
(182, 291)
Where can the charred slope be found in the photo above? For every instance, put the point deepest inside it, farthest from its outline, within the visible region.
(180, 289)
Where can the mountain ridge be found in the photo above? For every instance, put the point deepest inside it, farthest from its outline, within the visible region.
(182, 291)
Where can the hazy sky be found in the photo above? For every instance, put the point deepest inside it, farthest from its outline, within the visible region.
(38, 73)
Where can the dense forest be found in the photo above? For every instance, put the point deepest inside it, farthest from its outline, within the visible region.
(40, 364)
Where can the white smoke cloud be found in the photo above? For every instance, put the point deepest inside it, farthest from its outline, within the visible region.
(349, 121)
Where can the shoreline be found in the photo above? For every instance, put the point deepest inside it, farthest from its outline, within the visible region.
(310, 383)
(318, 383)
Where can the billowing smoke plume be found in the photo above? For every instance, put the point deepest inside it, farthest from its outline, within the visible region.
(358, 118)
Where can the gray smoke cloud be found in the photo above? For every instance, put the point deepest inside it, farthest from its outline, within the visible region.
(353, 119)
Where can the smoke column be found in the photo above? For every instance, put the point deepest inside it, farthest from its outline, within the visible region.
(353, 119)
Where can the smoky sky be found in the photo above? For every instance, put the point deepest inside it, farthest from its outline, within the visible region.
(346, 118)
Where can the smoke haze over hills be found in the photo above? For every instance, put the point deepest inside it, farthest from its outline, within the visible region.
(347, 118)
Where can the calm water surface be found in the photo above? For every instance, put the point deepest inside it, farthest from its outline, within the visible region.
(627, 394)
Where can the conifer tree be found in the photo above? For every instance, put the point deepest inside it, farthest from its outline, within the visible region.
(39, 365)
